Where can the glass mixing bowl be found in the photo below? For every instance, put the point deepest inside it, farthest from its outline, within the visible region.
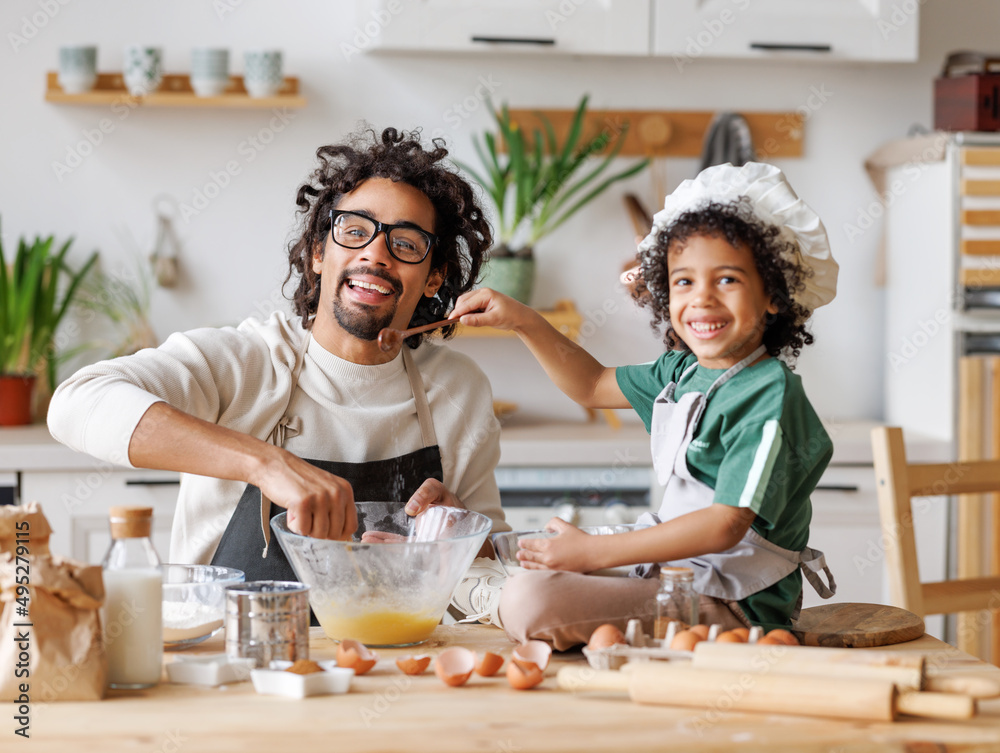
(393, 592)
(194, 602)
(506, 544)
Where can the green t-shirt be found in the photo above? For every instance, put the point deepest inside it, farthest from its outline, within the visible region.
(760, 445)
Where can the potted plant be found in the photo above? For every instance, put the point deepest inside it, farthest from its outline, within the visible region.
(537, 185)
(36, 290)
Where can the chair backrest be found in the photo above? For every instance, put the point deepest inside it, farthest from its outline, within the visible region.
(897, 482)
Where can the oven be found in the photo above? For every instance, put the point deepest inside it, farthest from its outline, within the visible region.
(582, 495)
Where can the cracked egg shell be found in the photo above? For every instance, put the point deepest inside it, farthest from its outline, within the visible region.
(523, 675)
(534, 652)
(355, 655)
(454, 665)
(411, 664)
(489, 665)
(605, 636)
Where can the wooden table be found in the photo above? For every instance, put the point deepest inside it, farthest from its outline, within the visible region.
(387, 710)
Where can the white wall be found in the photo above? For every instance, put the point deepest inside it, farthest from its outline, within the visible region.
(233, 250)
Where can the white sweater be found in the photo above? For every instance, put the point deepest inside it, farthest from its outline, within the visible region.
(240, 378)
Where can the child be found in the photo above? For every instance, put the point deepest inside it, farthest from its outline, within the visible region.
(733, 268)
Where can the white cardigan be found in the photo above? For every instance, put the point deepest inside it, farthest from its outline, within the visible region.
(241, 378)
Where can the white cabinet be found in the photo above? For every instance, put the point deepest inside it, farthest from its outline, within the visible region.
(77, 502)
(943, 280)
(577, 27)
(875, 30)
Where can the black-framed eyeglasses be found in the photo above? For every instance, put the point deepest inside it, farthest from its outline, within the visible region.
(406, 243)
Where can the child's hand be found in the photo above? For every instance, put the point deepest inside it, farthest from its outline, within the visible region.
(567, 550)
(488, 308)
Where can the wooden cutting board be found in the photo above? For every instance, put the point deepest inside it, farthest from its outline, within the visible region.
(852, 625)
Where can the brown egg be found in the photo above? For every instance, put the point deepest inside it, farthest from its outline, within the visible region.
(454, 665)
(523, 675)
(768, 640)
(783, 636)
(413, 664)
(606, 636)
(700, 630)
(742, 632)
(730, 636)
(355, 655)
(533, 652)
(685, 640)
(489, 665)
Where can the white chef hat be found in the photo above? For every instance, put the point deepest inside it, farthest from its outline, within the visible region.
(773, 202)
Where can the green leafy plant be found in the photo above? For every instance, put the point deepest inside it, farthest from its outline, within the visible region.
(122, 299)
(538, 184)
(37, 288)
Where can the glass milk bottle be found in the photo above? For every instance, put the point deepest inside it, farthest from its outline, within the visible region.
(676, 599)
(133, 601)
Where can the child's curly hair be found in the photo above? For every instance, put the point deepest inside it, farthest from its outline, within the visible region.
(785, 332)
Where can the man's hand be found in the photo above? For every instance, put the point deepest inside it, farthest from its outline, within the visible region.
(319, 504)
(569, 549)
(431, 492)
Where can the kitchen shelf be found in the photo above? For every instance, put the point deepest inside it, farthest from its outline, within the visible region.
(175, 91)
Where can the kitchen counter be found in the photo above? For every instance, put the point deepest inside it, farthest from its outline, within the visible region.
(523, 442)
(386, 710)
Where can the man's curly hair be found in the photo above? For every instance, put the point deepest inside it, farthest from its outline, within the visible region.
(775, 258)
(463, 233)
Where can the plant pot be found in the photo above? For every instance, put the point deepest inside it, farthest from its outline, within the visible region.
(511, 275)
(15, 399)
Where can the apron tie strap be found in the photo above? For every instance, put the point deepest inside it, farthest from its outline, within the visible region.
(427, 433)
(813, 563)
(286, 427)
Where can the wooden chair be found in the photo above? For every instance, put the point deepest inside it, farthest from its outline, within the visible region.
(897, 482)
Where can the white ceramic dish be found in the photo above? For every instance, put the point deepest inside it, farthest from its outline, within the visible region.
(209, 669)
(275, 681)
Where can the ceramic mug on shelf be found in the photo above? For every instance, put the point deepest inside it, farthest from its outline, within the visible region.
(142, 69)
(77, 68)
(209, 71)
(262, 72)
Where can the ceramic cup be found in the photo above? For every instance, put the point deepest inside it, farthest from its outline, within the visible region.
(143, 69)
(209, 71)
(77, 68)
(262, 72)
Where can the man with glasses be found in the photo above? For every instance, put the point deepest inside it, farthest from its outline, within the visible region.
(308, 413)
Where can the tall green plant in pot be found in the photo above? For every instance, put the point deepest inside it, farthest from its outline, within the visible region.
(537, 184)
(37, 288)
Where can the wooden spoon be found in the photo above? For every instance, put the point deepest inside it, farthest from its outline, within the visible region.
(390, 339)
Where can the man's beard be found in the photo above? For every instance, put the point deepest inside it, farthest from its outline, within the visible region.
(364, 324)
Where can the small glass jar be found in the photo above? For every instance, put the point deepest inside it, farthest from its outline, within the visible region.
(133, 603)
(675, 599)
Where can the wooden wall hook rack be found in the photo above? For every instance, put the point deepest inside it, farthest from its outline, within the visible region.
(668, 133)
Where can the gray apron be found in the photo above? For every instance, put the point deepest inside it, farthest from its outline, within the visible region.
(754, 563)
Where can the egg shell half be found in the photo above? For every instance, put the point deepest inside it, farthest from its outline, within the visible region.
(454, 665)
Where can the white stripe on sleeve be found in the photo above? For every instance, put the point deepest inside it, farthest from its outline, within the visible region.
(763, 464)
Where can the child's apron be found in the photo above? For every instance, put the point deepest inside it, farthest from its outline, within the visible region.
(754, 563)
(245, 542)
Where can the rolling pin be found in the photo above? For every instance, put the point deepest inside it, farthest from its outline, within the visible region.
(668, 684)
(906, 671)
